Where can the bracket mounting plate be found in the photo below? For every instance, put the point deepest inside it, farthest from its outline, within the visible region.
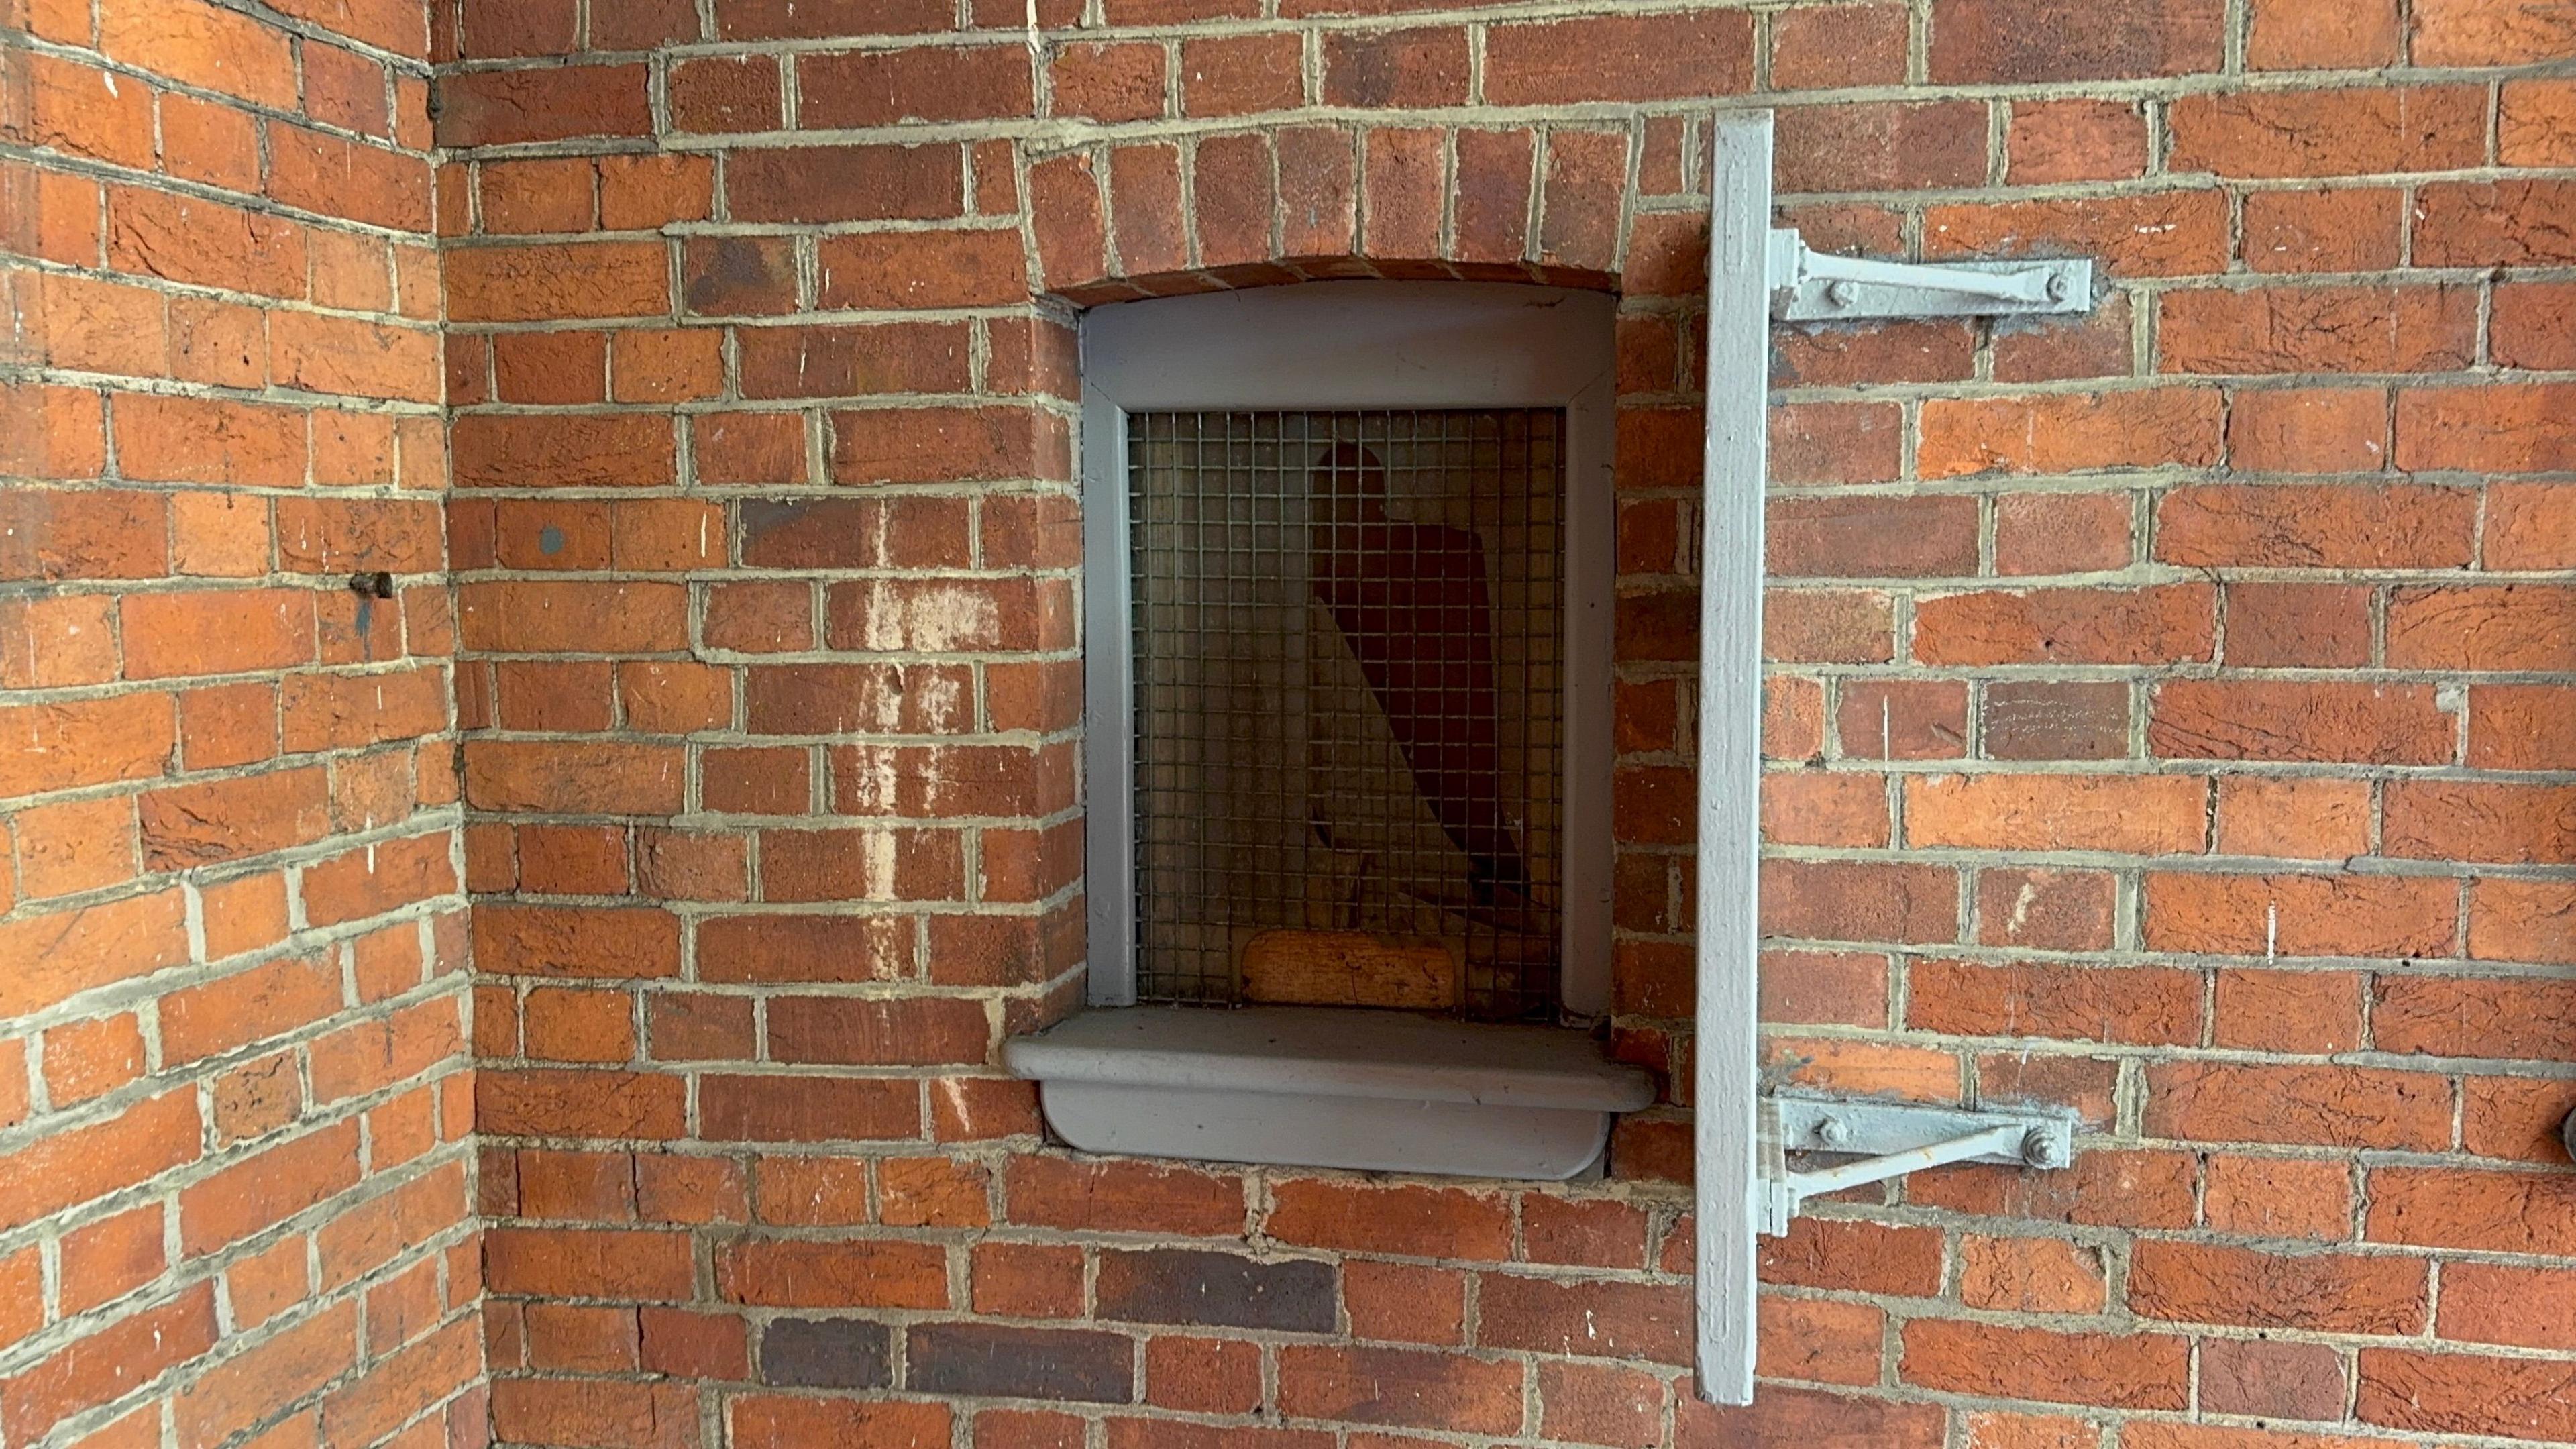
(1812, 286)
(1877, 1140)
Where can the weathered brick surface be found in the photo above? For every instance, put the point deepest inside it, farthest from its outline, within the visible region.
(2167, 711)
(234, 1104)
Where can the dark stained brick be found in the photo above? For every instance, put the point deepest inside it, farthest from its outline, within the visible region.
(1077, 1364)
(1216, 1289)
(826, 1353)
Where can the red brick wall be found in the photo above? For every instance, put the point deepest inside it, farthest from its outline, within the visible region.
(233, 1096)
(2169, 715)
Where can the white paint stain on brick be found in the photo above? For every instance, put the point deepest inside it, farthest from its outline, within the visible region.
(933, 619)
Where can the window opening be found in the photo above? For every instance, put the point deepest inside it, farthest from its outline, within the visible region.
(1349, 707)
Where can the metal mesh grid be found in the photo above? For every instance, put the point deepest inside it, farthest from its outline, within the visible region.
(1349, 675)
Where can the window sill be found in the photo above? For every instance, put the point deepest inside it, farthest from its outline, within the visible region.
(1329, 1087)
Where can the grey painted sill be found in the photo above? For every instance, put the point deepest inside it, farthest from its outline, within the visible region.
(1329, 1087)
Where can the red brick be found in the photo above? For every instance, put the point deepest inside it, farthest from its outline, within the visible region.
(1598, 1233)
(2068, 140)
(1107, 82)
(1826, 47)
(1827, 900)
(1114, 1196)
(2329, 132)
(1637, 1322)
(2030, 1275)
(1818, 1340)
(2105, 1187)
(1319, 192)
(2279, 1197)
(1492, 192)
(1874, 146)
(2472, 1016)
(2144, 815)
(2052, 40)
(109, 1363)
(66, 952)
(2502, 223)
(2250, 720)
(1872, 536)
(2140, 1371)
(283, 1368)
(2309, 35)
(2305, 430)
(2299, 915)
(2532, 1307)
(497, 107)
(2070, 432)
(1619, 58)
(1405, 69)
(778, 1273)
(267, 1000)
(2046, 909)
(1238, 75)
(2337, 229)
(2166, 623)
(2289, 1011)
(1854, 1256)
(1400, 1387)
(2317, 329)
(56, 535)
(202, 45)
(557, 281)
(726, 93)
(2467, 1394)
(2522, 920)
(918, 83)
(2144, 1005)
(1202, 1375)
(844, 183)
(2160, 233)
(2472, 820)
(2192, 1282)
(2471, 627)
(565, 1103)
(2062, 533)
(2485, 1211)
(254, 1193)
(921, 269)
(775, 1421)
(806, 1109)
(2326, 1106)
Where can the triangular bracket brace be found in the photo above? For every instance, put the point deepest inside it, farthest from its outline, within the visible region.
(1872, 1141)
(1812, 286)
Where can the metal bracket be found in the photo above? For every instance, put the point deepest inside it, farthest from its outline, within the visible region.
(1812, 286)
(1891, 1139)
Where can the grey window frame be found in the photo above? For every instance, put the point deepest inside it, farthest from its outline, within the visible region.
(1350, 345)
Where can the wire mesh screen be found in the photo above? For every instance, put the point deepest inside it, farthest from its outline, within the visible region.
(1349, 707)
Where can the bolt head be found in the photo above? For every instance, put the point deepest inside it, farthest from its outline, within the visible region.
(1838, 294)
(1833, 1132)
(2057, 286)
(2042, 1148)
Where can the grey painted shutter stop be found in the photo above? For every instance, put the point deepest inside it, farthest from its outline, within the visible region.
(1743, 1137)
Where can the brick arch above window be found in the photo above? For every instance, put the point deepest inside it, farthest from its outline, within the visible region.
(1582, 205)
